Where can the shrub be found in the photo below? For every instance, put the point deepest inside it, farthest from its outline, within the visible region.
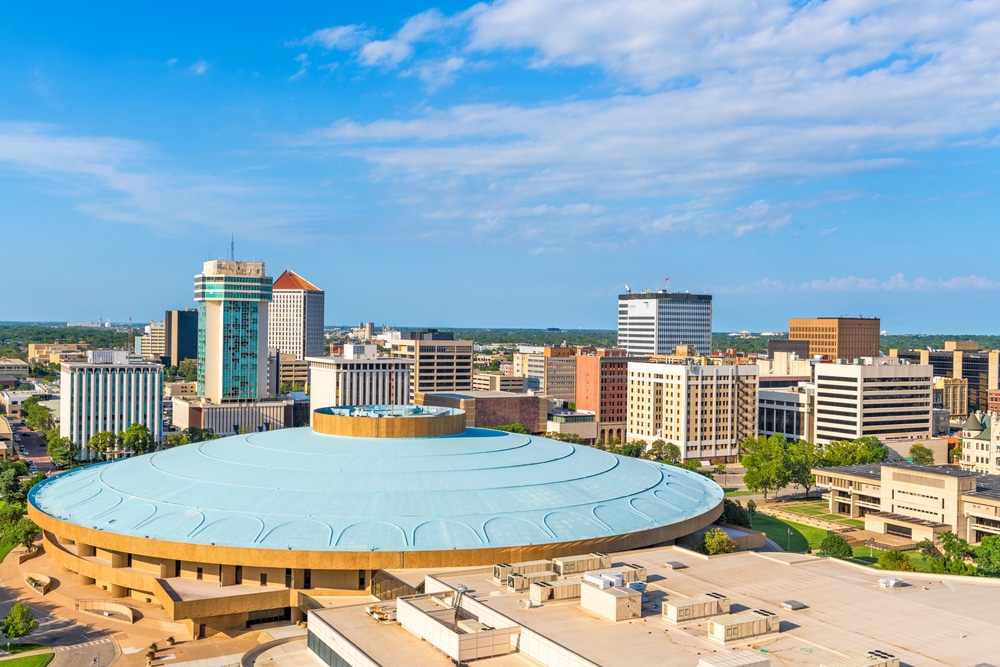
(895, 560)
(835, 546)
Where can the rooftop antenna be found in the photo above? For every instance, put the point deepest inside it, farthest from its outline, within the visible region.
(232, 248)
(628, 290)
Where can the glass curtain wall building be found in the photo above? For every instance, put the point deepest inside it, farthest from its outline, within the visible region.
(233, 299)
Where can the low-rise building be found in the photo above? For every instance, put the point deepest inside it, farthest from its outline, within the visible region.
(581, 423)
(232, 417)
(914, 502)
(498, 381)
(359, 377)
(981, 443)
(488, 409)
(55, 353)
(15, 368)
(952, 394)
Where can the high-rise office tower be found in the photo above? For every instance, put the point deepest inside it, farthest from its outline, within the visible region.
(440, 363)
(657, 322)
(233, 299)
(295, 321)
(182, 335)
(837, 337)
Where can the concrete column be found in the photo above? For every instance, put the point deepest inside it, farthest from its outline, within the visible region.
(85, 550)
(118, 591)
(85, 580)
(228, 575)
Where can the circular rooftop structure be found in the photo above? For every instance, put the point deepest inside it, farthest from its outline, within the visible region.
(474, 496)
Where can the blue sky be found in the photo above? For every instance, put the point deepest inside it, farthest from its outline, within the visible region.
(512, 163)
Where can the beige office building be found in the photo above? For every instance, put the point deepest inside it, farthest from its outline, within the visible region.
(835, 338)
(878, 397)
(706, 410)
(359, 377)
(14, 368)
(551, 371)
(952, 394)
(914, 502)
(152, 345)
(440, 363)
(497, 381)
(295, 317)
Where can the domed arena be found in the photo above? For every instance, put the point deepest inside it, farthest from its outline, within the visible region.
(230, 531)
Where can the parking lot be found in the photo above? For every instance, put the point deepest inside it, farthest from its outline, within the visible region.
(32, 448)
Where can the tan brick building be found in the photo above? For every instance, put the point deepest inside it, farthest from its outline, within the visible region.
(837, 337)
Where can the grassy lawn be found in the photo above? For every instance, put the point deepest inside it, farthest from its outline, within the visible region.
(28, 661)
(871, 556)
(21, 647)
(730, 494)
(803, 537)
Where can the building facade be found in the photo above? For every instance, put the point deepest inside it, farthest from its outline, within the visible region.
(295, 318)
(879, 397)
(981, 443)
(359, 377)
(440, 363)
(233, 299)
(835, 338)
(952, 394)
(705, 410)
(602, 388)
(657, 322)
(498, 381)
(915, 502)
(181, 327)
(15, 368)
(962, 360)
(787, 411)
(109, 397)
(152, 345)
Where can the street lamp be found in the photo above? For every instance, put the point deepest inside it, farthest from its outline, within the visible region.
(789, 529)
(96, 660)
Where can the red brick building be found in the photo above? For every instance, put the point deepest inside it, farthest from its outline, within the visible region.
(601, 385)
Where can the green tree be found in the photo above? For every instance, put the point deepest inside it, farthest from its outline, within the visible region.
(716, 541)
(802, 458)
(36, 416)
(868, 449)
(10, 514)
(633, 449)
(895, 560)
(656, 450)
(30, 482)
(987, 555)
(201, 434)
(929, 550)
(178, 439)
(19, 622)
(835, 546)
(138, 439)
(102, 443)
(734, 514)
(62, 450)
(671, 452)
(23, 533)
(10, 486)
(766, 464)
(516, 427)
(921, 454)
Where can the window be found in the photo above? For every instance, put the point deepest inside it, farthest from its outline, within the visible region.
(263, 578)
(199, 574)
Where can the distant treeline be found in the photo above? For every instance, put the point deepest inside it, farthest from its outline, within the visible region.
(723, 341)
(14, 338)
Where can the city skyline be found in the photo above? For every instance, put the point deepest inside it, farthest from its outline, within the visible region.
(792, 160)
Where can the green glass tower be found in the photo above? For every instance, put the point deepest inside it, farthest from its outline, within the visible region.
(233, 298)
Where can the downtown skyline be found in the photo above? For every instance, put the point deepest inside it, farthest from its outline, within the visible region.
(509, 164)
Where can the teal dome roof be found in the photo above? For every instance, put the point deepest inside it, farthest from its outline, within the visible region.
(298, 489)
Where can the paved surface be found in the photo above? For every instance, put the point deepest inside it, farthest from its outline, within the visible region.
(35, 446)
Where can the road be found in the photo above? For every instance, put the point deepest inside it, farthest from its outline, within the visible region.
(35, 446)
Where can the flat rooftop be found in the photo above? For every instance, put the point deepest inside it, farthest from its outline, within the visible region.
(928, 622)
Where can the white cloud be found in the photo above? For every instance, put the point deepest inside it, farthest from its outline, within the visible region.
(199, 67)
(303, 60)
(117, 179)
(727, 95)
(172, 62)
(343, 37)
(899, 282)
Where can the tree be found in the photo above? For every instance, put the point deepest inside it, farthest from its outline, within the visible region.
(716, 541)
(802, 458)
(868, 449)
(19, 622)
(62, 450)
(516, 427)
(734, 514)
(633, 449)
(929, 550)
(835, 546)
(720, 469)
(102, 443)
(765, 460)
(23, 533)
(921, 454)
(178, 439)
(895, 560)
(987, 555)
(656, 450)
(138, 439)
(201, 434)
(671, 452)
(694, 466)
(30, 482)
(10, 486)
(10, 514)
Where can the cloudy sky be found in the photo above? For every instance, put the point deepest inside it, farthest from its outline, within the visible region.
(511, 163)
